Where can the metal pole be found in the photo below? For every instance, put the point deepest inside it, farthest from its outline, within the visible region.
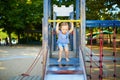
(45, 25)
(83, 29)
(54, 35)
(71, 35)
(77, 29)
(50, 28)
(83, 23)
(77, 9)
(49, 9)
(45, 32)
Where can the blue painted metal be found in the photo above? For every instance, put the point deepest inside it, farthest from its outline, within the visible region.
(82, 61)
(49, 4)
(65, 77)
(73, 61)
(77, 9)
(77, 29)
(75, 70)
(83, 23)
(71, 35)
(45, 32)
(45, 24)
(54, 31)
(64, 70)
(82, 36)
(50, 28)
(102, 23)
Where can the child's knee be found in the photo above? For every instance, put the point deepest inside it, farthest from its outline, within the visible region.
(66, 49)
(60, 49)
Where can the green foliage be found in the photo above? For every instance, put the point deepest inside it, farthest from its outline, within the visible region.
(63, 2)
(2, 34)
(101, 9)
(19, 15)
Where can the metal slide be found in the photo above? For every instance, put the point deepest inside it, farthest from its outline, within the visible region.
(72, 70)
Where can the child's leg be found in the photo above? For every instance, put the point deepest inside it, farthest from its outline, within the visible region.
(60, 52)
(66, 52)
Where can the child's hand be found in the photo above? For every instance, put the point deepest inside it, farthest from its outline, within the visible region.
(58, 21)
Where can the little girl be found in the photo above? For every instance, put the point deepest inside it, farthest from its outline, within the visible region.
(63, 39)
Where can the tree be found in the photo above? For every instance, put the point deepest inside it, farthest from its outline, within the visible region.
(17, 15)
(21, 15)
(101, 9)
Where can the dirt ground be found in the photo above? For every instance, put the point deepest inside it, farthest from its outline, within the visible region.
(16, 60)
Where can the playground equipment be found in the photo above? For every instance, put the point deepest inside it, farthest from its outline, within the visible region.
(64, 21)
(100, 60)
(95, 61)
(75, 69)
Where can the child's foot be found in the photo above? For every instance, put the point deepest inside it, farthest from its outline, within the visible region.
(59, 60)
(67, 59)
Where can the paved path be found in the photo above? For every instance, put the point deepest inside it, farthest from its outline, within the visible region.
(15, 60)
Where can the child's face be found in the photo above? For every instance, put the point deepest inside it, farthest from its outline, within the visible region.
(64, 29)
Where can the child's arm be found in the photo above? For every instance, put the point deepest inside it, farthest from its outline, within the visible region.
(72, 28)
(57, 27)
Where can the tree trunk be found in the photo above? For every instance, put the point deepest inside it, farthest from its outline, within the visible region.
(9, 38)
(18, 37)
